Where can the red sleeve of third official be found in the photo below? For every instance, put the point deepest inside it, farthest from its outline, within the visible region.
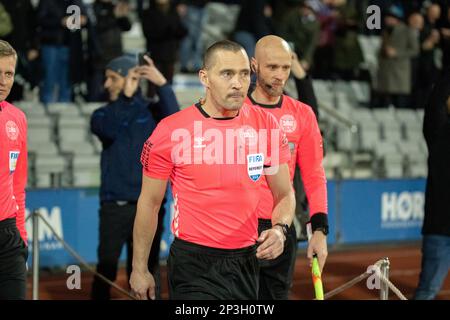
(309, 159)
(20, 181)
(277, 143)
(156, 155)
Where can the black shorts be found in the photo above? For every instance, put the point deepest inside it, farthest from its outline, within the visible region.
(197, 272)
(275, 276)
(13, 258)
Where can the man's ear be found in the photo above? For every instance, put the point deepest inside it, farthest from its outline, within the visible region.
(203, 76)
(253, 64)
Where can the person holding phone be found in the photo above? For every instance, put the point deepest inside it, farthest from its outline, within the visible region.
(123, 125)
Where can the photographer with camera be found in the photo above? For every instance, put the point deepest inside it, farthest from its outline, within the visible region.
(123, 125)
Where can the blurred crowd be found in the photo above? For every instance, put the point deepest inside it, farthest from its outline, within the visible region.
(64, 62)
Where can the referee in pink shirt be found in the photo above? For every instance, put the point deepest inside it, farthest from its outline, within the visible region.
(215, 154)
(13, 178)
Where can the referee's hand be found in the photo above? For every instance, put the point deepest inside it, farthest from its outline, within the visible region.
(142, 285)
(271, 244)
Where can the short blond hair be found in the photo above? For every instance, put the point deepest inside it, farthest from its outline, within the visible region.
(6, 50)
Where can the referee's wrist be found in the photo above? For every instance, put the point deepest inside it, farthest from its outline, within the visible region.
(282, 227)
(319, 222)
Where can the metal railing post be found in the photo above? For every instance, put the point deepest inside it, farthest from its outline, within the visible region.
(384, 288)
(36, 255)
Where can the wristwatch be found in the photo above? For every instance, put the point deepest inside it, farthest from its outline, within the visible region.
(283, 226)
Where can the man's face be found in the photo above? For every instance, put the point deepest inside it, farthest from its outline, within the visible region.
(416, 21)
(434, 12)
(114, 83)
(390, 21)
(7, 70)
(228, 79)
(272, 69)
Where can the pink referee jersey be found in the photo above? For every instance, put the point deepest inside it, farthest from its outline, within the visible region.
(305, 143)
(216, 170)
(13, 165)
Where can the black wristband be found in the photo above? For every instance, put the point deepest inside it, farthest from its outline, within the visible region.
(319, 221)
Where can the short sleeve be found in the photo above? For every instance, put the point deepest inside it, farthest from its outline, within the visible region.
(156, 154)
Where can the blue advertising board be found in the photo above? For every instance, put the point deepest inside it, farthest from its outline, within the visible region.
(360, 211)
(373, 211)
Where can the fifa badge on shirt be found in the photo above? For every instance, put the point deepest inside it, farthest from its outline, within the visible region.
(13, 156)
(255, 165)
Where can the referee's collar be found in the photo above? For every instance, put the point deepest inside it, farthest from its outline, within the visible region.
(268, 106)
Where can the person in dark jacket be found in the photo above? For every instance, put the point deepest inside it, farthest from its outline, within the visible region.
(436, 226)
(445, 38)
(194, 16)
(61, 48)
(425, 70)
(301, 27)
(163, 31)
(107, 20)
(123, 126)
(253, 22)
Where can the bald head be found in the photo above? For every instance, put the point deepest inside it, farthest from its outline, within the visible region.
(266, 45)
(272, 65)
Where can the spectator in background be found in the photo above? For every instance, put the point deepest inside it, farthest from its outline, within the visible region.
(445, 39)
(416, 23)
(163, 32)
(347, 52)
(424, 69)
(61, 50)
(253, 22)
(23, 38)
(436, 225)
(399, 45)
(324, 53)
(301, 27)
(123, 125)
(107, 20)
(193, 14)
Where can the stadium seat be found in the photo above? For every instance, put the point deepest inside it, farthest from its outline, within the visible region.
(88, 108)
(49, 171)
(86, 171)
(67, 109)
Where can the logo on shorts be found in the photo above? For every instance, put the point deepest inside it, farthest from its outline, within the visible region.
(288, 123)
(13, 156)
(12, 130)
(255, 166)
